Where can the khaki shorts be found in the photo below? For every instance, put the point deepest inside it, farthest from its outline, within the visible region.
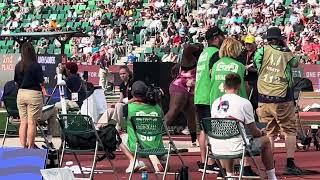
(278, 116)
(30, 104)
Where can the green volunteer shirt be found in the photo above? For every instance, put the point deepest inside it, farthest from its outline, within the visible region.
(203, 82)
(220, 69)
(138, 109)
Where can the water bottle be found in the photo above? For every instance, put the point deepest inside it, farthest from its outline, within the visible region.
(144, 175)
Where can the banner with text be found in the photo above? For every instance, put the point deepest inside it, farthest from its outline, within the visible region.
(312, 72)
(49, 64)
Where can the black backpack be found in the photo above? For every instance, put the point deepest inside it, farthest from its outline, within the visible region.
(109, 136)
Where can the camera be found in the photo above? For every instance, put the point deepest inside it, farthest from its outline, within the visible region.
(154, 94)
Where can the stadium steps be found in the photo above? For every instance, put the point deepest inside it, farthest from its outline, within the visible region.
(137, 51)
(112, 96)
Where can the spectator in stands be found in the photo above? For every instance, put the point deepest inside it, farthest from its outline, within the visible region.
(229, 52)
(231, 105)
(208, 57)
(132, 58)
(29, 77)
(274, 62)
(103, 69)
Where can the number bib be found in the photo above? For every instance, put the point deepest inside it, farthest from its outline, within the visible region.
(74, 97)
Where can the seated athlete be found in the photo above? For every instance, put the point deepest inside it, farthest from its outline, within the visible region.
(231, 105)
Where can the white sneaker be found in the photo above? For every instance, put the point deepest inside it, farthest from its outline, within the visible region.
(195, 144)
(186, 131)
(139, 166)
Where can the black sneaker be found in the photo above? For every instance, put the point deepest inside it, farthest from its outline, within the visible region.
(210, 168)
(293, 170)
(299, 171)
(247, 171)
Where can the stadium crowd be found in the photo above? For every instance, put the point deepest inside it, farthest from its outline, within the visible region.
(114, 27)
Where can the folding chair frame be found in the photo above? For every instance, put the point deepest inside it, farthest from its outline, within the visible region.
(171, 147)
(242, 155)
(12, 112)
(96, 149)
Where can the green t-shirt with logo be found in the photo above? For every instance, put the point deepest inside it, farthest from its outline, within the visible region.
(203, 82)
(137, 109)
(222, 68)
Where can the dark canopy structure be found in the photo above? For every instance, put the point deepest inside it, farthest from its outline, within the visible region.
(62, 37)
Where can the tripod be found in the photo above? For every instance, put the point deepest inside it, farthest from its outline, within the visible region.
(61, 86)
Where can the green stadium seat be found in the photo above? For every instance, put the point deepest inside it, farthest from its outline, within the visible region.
(9, 43)
(2, 43)
(50, 51)
(59, 8)
(85, 25)
(57, 51)
(53, 16)
(3, 51)
(82, 7)
(148, 50)
(45, 16)
(66, 7)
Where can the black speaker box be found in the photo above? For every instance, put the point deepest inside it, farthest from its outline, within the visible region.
(158, 74)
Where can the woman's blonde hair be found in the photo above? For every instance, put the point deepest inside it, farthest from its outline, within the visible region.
(230, 48)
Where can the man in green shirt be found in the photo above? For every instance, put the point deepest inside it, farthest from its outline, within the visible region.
(139, 106)
(208, 57)
(276, 103)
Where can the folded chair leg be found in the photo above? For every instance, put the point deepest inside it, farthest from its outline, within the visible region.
(205, 163)
(113, 168)
(5, 132)
(224, 174)
(134, 161)
(62, 153)
(94, 161)
(167, 162)
(44, 136)
(242, 163)
(255, 163)
(155, 172)
(78, 162)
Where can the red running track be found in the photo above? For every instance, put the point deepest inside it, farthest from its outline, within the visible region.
(307, 160)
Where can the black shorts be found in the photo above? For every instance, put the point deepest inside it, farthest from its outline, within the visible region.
(203, 111)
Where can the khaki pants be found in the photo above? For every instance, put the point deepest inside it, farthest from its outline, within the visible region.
(29, 104)
(113, 115)
(278, 116)
(51, 117)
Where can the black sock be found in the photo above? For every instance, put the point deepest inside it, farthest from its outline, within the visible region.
(247, 168)
(193, 136)
(290, 162)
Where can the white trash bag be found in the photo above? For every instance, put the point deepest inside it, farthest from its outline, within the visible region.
(57, 174)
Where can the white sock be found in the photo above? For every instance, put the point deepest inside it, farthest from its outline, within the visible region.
(49, 138)
(229, 174)
(272, 174)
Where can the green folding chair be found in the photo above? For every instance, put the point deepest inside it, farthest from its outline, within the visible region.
(81, 125)
(152, 126)
(13, 118)
(226, 128)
